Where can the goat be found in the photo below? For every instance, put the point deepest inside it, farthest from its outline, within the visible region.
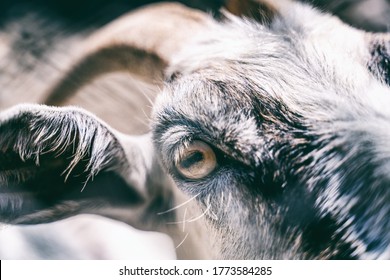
(269, 140)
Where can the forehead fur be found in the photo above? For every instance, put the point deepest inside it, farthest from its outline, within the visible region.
(240, 72)
(311, 70)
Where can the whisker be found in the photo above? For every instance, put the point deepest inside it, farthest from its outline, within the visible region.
(192, 219)
(201, 215)
(213, 215)
(178, 206)
(184, 218)
(84, 185)
(184, 239)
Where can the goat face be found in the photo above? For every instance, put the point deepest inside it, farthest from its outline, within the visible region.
(275, 136)
(280, 134)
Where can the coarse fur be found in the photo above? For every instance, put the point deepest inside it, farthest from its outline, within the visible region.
(283, 118)
(294, 108)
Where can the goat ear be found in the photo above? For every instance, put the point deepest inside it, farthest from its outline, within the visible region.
(142, 42)
(57, 162)
(261, 11)
(379, 63)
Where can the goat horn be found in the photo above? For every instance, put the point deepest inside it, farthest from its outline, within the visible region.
(142, 42)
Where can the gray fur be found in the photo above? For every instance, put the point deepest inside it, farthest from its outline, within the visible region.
(294, 119)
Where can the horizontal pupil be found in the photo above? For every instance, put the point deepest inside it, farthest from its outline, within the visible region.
(192, 159)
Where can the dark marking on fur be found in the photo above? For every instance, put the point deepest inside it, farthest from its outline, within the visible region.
(380, 60)
(257, 10)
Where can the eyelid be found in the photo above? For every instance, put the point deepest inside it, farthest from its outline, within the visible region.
(223, 157)
(177, 137)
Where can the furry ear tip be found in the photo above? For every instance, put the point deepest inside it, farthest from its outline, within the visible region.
(30, 134)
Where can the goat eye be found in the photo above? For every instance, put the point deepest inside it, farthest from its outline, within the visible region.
(196, 161)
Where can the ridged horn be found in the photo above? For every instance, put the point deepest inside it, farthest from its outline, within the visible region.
(141, 42)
